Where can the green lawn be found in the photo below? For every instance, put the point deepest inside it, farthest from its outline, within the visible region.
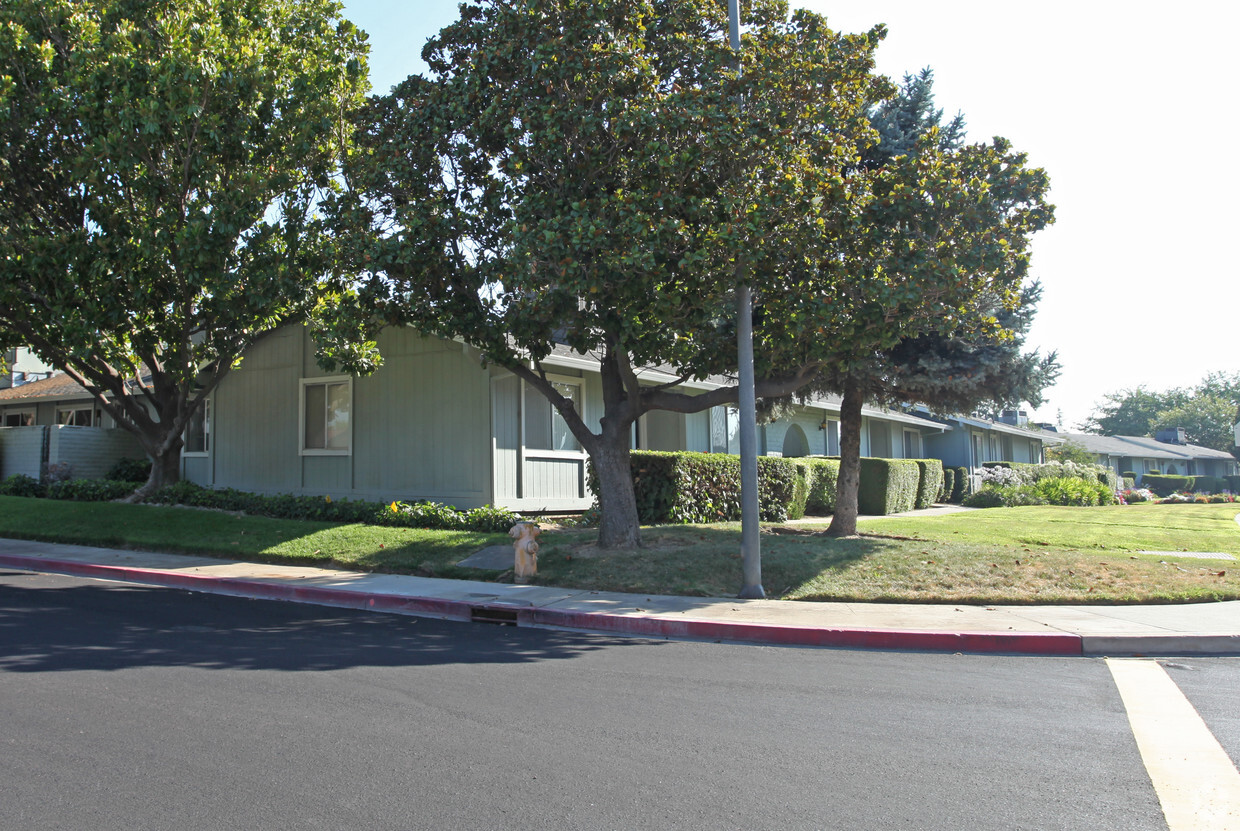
(1002, 555)
(220, 534)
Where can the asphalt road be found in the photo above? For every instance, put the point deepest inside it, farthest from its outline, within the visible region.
(125, 707)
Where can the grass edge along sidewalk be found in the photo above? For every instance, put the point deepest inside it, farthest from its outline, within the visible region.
(1035, 555)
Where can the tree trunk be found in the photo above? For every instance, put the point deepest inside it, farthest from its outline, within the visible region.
(165, 470)
(618, 526)
(844, 521)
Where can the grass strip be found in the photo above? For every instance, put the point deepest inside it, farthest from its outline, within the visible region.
(1034, 555)
(218, 534)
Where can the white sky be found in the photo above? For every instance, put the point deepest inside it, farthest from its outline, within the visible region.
(1128, 107)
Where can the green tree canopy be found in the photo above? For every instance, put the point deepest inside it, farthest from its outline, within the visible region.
(978, 358)
(160, 167)
(598, 174)
(1129, 412)
(1207, 411)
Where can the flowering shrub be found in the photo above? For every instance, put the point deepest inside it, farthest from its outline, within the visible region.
(1002, 477)
(1053, 483)
(1131, 496)
(1184, 498)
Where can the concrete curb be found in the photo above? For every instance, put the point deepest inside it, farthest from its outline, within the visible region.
(1149, 645)
(1022, 643)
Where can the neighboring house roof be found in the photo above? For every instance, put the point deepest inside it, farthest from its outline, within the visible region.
(56, 387)
(1044, 436)
(1190, 451)
(565, 356)
(1143, 447)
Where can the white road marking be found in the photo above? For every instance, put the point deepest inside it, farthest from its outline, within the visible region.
(1195, 780)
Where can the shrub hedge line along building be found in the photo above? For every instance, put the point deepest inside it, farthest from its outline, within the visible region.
(822, 479)
(687, 487)
(888, 486)
(1165, 484)
(929, 482)
(487, 519)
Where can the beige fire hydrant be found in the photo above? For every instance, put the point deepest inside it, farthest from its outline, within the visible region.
(526, 550)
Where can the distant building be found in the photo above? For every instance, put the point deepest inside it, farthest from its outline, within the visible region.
(21, 366)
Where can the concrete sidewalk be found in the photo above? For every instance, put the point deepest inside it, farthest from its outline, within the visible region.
(1194, 629)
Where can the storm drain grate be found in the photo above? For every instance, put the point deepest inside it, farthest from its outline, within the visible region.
(484, 614)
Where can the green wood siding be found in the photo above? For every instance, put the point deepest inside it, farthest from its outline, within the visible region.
(420, 424)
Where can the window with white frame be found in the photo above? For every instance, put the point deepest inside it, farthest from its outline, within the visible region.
(19, 418)
(326, 416)
(912, 444)
(545, 428)
(77, 416)
(198, 431)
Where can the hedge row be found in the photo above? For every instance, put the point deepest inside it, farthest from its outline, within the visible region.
(888, 486)
(1166, 484)
(961, 487)
(684, 487)
(280, 506)
(929, 483)
(705, 487)
(822, 481)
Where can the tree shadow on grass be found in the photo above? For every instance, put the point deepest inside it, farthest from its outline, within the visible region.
(704, 561)
(50, 623)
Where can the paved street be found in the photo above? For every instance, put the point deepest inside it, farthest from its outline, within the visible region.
(127, 707)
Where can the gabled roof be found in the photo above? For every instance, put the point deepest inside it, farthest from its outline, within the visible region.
(1144, 447)
(1190, 451)
(56, 387)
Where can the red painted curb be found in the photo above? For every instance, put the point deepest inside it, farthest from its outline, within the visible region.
(1023, 643)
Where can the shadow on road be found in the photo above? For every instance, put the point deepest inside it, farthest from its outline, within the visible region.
(50, 623)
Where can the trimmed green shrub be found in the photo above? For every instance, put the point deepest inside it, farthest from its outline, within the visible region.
(800, 491)
(823, 480)
(1154, 472)
(949, 483)
(776, 486)
(1232, 483)
(1167, 485)
(129, 470)
(19, 484)
(960, 487)
(1128, 483)
(705, 487)
(1209, 484)
(1129, 474)
(929, 482)
(985, 498)
(89, 490)
(888, 486)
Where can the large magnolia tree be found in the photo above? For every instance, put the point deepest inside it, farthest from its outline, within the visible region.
(597, 173)
(160, 166)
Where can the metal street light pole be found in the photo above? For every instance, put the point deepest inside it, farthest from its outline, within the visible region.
(751, 552)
